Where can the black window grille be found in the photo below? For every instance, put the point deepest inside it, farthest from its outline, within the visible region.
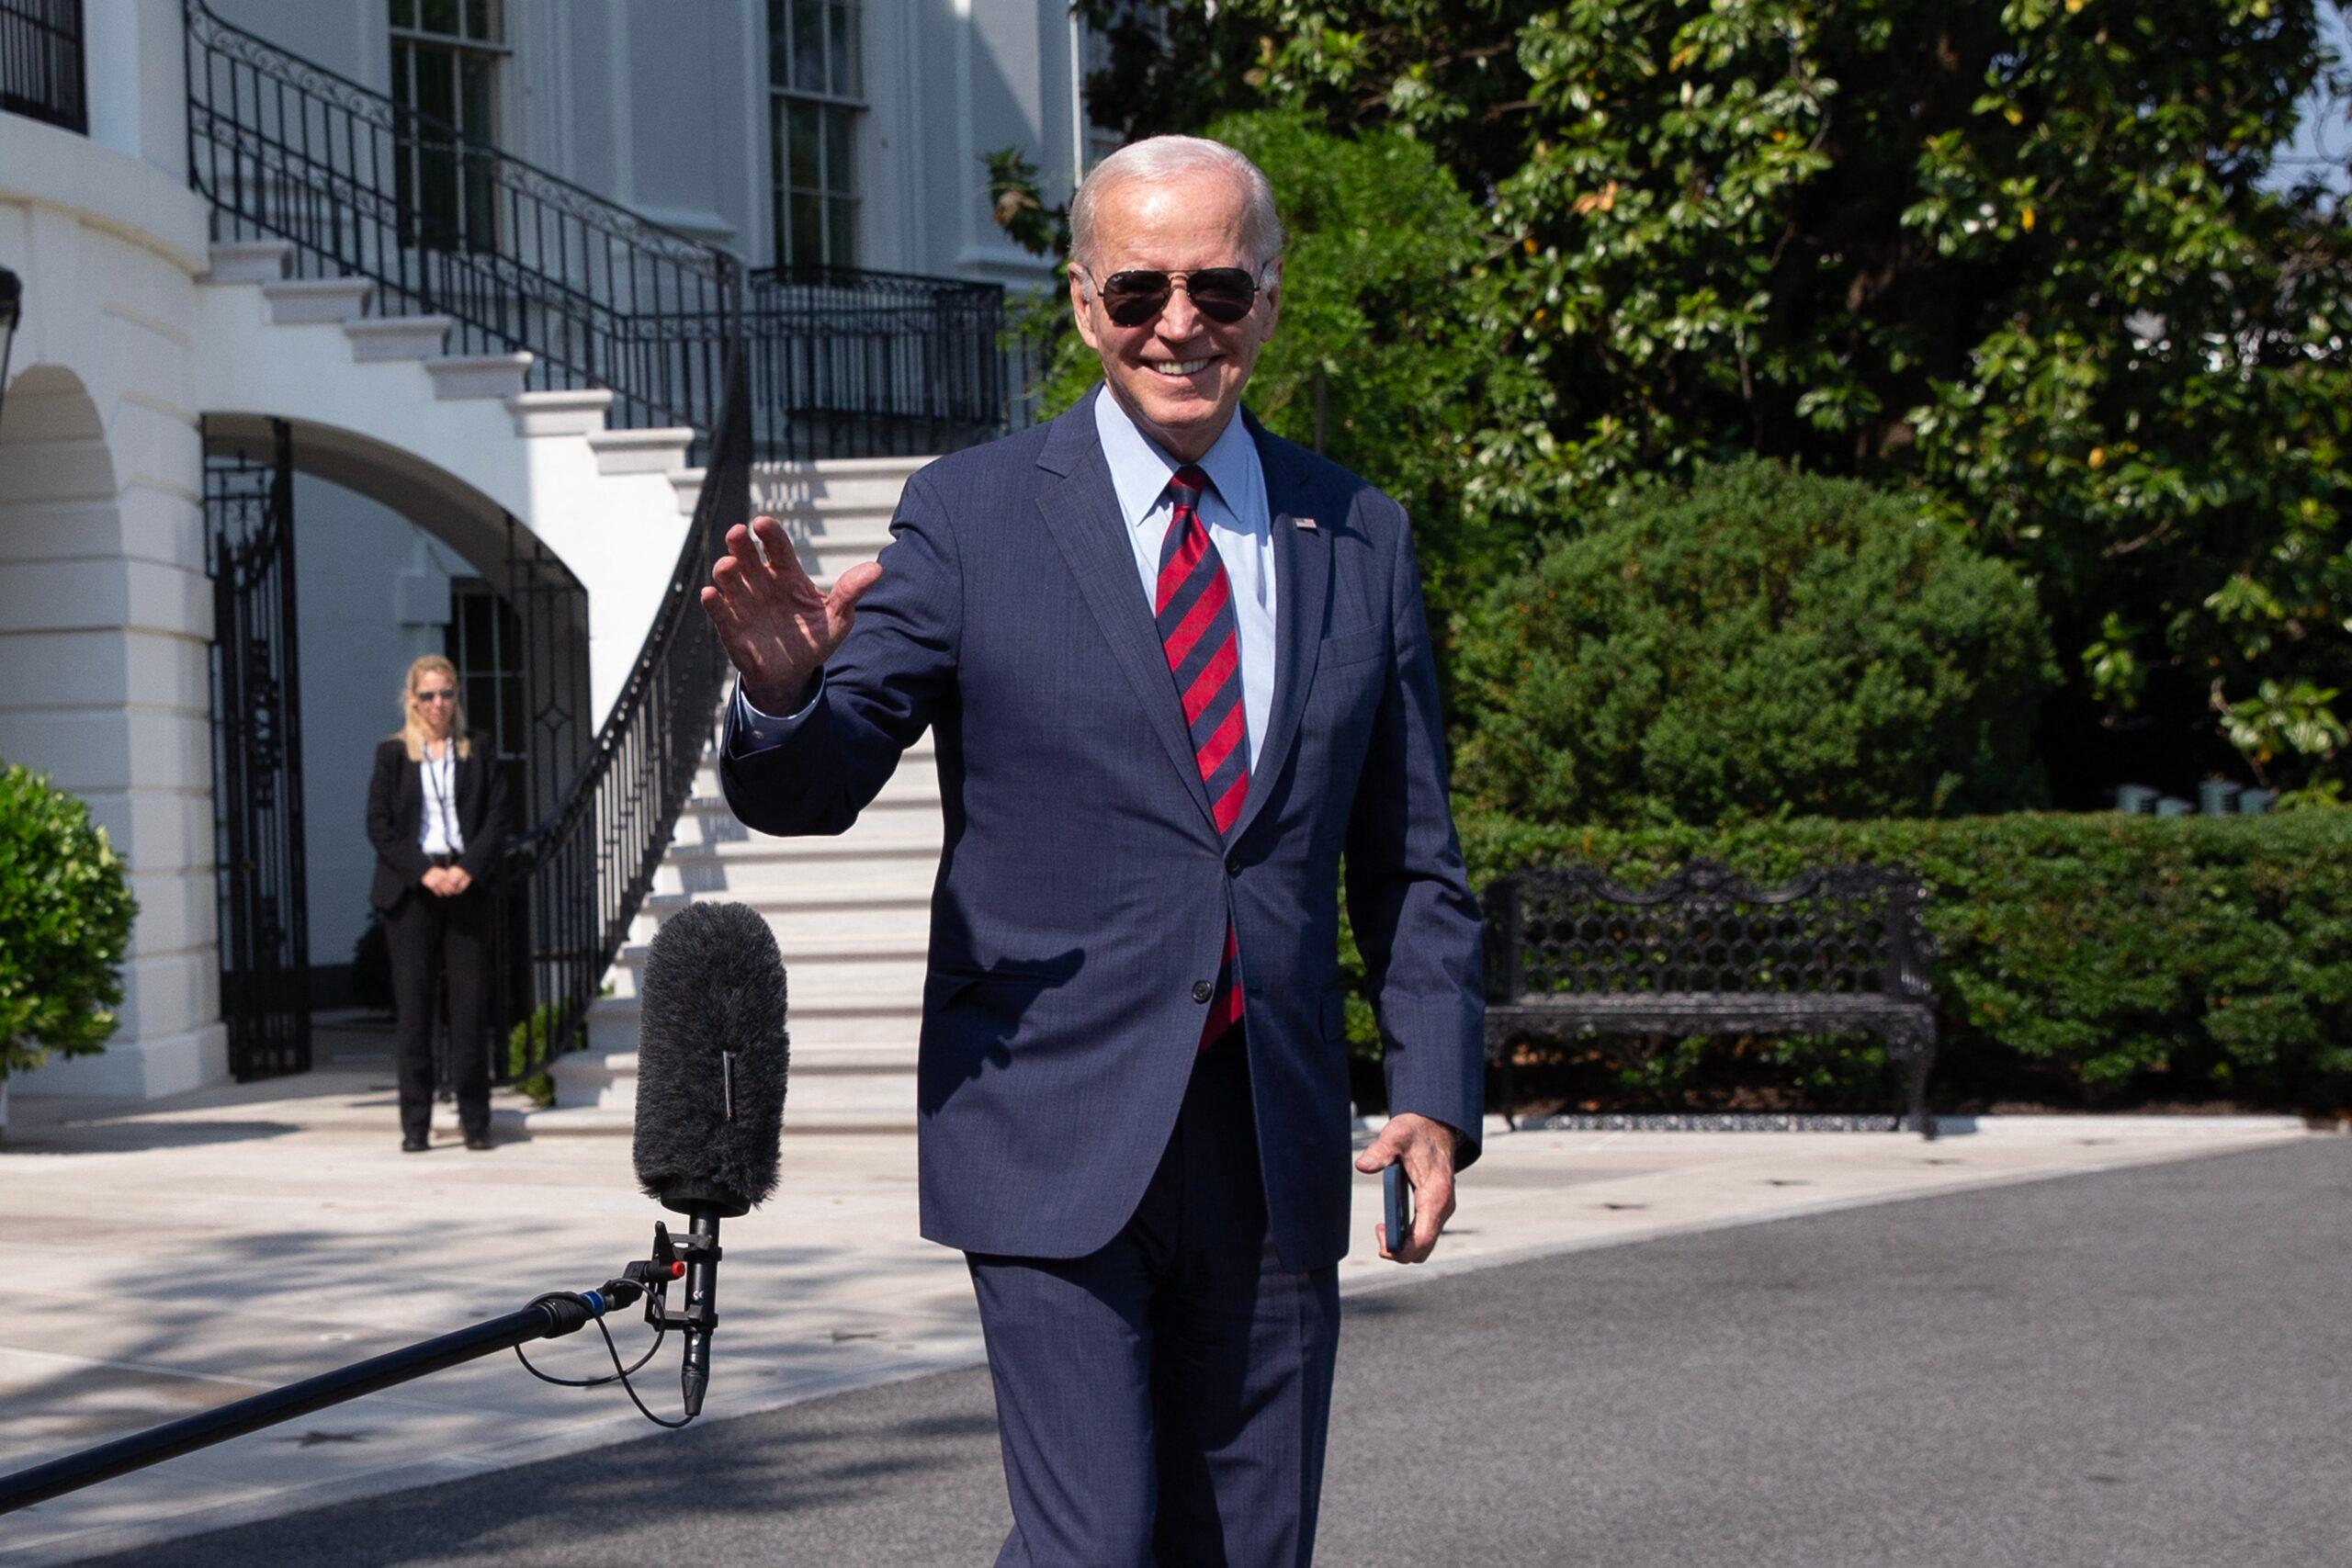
(484, 640)
(815, 85)
(445, 55)
(40, 61)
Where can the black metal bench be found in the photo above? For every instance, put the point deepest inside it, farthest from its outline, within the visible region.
(1839, 950)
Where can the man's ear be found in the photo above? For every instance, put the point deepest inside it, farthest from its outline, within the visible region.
(1081, 310)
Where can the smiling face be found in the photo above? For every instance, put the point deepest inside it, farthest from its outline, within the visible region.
(1179, 376)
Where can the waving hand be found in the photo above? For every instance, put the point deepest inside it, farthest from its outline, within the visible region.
(778, 630)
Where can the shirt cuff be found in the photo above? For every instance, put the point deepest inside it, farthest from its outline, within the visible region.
(758, 732)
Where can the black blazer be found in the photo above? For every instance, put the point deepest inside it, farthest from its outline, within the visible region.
(396, 816)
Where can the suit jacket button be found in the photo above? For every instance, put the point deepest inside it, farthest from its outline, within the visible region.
(1233, 866)
(1203, 990)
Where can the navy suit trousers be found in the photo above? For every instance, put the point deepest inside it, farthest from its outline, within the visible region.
(1164, 1400)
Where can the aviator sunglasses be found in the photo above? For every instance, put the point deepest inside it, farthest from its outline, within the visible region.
(1223, 294)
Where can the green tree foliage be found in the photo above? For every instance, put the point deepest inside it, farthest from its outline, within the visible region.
(65, 920)
(2030, 255)
(1765, 643)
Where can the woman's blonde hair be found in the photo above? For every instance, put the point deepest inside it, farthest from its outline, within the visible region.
(413, 732)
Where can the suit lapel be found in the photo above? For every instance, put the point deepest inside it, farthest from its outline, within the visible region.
(1302, 586)
(1082, 511)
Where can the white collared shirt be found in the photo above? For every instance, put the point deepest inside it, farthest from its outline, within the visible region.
(437, 776)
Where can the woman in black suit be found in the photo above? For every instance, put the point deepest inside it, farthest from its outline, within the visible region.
(437, 814)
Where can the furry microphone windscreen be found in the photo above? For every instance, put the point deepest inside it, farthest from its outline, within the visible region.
(711, 1057)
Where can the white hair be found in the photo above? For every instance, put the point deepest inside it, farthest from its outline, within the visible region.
(1168, 157)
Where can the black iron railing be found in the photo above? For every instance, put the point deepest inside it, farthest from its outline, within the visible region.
(517, 258)
(40, 61)
(583, 873)
(819, 364)
(852, 363)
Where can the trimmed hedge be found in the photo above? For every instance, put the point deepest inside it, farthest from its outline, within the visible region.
(1762, 644)
(2095, 959)
(65, 919)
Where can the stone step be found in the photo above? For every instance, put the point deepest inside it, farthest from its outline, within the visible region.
(828, 1088)
(659, 450)
(296, 301)
(827, 554)
(499, 376)
(560, 412)
(780, 489)
(837, 1019)
(377, 338)
(883, 971)
(838, 907)
(248, 261)
(864, 849)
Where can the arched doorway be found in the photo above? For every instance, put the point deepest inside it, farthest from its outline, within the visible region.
(334, 562)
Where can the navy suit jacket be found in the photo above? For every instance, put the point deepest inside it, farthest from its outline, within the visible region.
(1084, 890)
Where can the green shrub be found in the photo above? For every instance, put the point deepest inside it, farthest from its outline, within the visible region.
(1764, 644)
(65, 920)
(2086, 959)
(531, 1044)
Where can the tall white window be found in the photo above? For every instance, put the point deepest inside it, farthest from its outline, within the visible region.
(445, 65)
(816, 89)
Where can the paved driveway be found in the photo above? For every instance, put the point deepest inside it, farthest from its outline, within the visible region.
(2141, 1368)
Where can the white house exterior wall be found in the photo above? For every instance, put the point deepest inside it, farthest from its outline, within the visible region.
(662, 107)
(129, 343)
(104, 614)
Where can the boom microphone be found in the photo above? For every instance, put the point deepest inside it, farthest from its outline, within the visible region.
(711, 1054)
(711, 1058)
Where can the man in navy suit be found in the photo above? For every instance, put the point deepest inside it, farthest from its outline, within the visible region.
(1177, 668)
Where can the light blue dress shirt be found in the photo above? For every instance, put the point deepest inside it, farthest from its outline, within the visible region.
(1240, 523)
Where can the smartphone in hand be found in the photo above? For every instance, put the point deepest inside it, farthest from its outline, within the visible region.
(1397, 1194)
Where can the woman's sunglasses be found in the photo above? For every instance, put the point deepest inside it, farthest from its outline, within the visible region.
(1223, 294)
(436, 696)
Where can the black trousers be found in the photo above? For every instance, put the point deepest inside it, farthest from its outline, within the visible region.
(427, 937)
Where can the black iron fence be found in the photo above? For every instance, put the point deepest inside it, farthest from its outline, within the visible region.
(581, 873)
(852, 363)
(40, 61)
(518, 259)
(843, 363)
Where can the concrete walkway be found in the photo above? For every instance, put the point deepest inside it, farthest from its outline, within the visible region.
(160, 1261)
(2138, 1368)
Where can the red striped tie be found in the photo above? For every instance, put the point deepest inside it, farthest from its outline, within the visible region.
(1203, 640)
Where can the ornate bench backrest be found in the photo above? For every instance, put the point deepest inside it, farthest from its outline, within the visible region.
(1835, 930)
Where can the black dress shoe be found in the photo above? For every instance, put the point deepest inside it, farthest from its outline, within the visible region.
(477, 1141)
(414, 1145)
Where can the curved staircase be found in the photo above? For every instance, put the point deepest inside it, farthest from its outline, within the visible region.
(563, 356)
(613, 504)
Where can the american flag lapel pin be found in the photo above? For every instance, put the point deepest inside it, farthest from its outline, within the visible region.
(1306, 523)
